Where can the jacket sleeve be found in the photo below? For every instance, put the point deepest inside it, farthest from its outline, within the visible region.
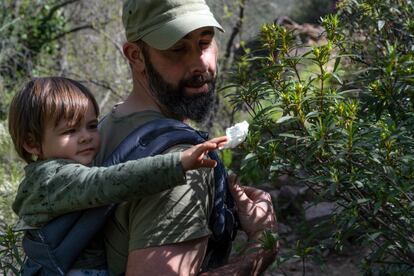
(75, 187)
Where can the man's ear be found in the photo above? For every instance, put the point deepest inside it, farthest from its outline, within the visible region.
(135, 56)
(31, 147)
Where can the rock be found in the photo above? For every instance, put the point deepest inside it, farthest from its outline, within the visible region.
(283, 228)
(310, 195)
(294, 192)
(290, 199)
(266, 187)
(320, 211)
(283, 180)
(291, 238)
(289, 192)
(274, 194)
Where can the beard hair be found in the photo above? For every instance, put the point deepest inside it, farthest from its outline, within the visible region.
(195, 107)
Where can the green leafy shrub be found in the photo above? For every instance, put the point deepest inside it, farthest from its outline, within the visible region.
(27, 28)
(11, 256)
(348, 136)
(11, 172)
(382, 35)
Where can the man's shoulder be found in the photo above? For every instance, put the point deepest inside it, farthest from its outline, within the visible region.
(113, 130)
(126, 123)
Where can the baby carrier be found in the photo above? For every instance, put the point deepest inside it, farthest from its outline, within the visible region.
(53, 249)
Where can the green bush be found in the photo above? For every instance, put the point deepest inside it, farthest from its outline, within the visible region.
(339, 118)
(382, 40)
(27, 28)
(11, 256)
(11, 172)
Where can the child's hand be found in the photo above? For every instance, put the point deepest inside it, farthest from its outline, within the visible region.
(193, 158)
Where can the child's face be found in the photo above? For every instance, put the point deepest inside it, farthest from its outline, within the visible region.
(79, 143)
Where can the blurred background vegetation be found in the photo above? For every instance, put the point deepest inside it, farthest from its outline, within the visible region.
(330, 102)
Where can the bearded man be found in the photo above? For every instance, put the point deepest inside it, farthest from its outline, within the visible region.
(172, 53)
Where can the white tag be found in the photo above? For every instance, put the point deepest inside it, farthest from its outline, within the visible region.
(236, 134)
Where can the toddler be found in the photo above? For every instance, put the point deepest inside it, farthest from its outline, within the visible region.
(53, 124)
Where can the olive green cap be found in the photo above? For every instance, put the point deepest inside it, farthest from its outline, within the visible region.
(161, 23)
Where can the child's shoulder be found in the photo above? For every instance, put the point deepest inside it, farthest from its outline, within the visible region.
(45, 166)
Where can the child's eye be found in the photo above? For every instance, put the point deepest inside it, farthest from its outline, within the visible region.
(69, 131)
(93, 126)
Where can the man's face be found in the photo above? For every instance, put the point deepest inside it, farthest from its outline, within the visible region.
(182, 78)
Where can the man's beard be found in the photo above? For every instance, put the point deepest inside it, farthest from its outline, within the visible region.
(195, 107)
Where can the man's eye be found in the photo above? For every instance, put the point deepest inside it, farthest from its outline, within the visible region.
(205, 44)
(177, 48)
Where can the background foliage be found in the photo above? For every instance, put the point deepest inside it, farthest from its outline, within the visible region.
(339, 118)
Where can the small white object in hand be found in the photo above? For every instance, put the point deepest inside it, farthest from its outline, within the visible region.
(236, 134)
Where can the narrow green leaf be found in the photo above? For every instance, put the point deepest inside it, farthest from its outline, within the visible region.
(337, 62)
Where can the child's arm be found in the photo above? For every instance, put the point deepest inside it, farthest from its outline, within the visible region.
(75, 187)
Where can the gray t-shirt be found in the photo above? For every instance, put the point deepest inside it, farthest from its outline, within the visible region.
(174, 216)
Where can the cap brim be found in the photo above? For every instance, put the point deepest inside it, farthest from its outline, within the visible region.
(166, 36)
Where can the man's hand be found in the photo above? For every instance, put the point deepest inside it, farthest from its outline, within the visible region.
(254, 208)
(255, 211)
(193, 158)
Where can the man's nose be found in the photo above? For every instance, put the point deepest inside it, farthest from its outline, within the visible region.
(198, 61)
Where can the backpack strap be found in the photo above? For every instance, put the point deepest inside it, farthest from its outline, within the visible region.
(159, 135)
(54, 248)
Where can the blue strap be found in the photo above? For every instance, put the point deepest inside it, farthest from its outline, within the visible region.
(157, 136)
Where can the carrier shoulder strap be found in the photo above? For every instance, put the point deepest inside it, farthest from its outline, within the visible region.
(55, 247)
(162, 134)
